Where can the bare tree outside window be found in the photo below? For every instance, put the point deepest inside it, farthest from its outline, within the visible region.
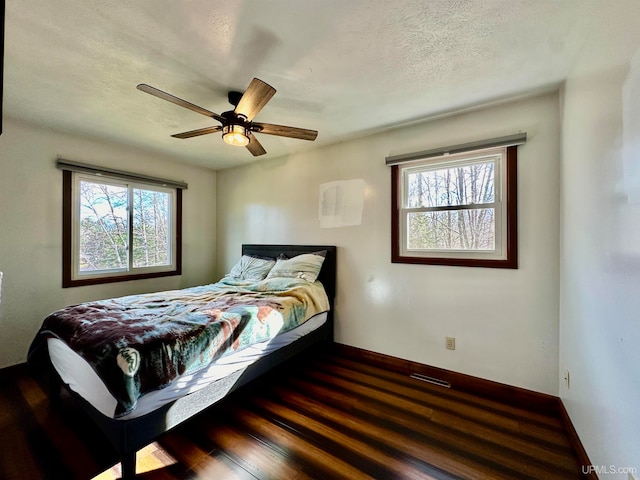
(119, 227)
(104, 227)
(442, 225)
(151, 229)
(456, 209)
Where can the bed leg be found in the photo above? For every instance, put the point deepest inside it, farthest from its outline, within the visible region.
(128, 464)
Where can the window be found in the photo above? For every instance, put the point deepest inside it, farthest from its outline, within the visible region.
(456, 209)
(118, 229)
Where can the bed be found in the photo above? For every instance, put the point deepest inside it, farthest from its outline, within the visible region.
(131, 419)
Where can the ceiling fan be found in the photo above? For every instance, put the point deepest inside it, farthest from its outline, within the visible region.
(237, 125)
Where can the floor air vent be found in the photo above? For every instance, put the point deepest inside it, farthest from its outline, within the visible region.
(435, 381)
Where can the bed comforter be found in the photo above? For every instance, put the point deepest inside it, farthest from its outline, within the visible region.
(140, 343)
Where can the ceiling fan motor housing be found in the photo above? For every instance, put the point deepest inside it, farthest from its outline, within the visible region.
(234, 97)
(233, 118)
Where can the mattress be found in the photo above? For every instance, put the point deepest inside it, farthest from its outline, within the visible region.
(82, 379)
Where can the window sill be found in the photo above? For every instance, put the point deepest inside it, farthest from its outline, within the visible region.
(68, 282)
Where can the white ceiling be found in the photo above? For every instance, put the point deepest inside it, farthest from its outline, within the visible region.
(342, 67)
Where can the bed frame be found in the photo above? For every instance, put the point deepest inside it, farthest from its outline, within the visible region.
(129, 436)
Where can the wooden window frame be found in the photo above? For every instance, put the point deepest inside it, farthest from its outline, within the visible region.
(511, 218)
(68, 279)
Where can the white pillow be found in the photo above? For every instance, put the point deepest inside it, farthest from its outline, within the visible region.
(251, 268)
(306, 266)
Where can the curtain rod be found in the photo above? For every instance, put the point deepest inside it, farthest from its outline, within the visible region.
(508, 141)
(64, 164)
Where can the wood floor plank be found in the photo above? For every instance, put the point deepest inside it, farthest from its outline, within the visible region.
(424, 398)
(252, 454)
(440, 445)
(71, 449)
(438, 426)
(218, 465)
(558, 457)
(292, 446)
(411, 398)
(180, 445)
(320, 429)
(369, 391)
(28, 450)
(463, 397)
(545, 433)
(202, 463)
(153, 463)
(324, 415)
(18, 455)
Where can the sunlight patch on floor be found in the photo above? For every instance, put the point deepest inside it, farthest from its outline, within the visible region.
(152, 457)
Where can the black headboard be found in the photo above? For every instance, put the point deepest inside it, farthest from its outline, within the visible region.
(327, 274)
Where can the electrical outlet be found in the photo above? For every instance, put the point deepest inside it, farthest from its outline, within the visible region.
(450, 343)
(567, 382)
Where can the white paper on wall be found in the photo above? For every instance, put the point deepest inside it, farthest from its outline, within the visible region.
(341, 203)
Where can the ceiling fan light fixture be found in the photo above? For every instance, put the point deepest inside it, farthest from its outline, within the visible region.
(236, 135)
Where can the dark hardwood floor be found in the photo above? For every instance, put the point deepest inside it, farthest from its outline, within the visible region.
(322, 416)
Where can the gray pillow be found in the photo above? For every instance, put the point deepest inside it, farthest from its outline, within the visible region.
(251, 268)
(306, 266)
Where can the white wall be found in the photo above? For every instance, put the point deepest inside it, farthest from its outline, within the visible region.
(505, 321)
(31, 227)
(600, 252)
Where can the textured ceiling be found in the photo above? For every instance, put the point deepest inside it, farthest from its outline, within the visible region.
(341, 67)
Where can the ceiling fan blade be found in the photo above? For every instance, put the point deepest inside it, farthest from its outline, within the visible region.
(143, 87)
(283, 131)
(196, 133)
(254, 98)
(254, 146)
